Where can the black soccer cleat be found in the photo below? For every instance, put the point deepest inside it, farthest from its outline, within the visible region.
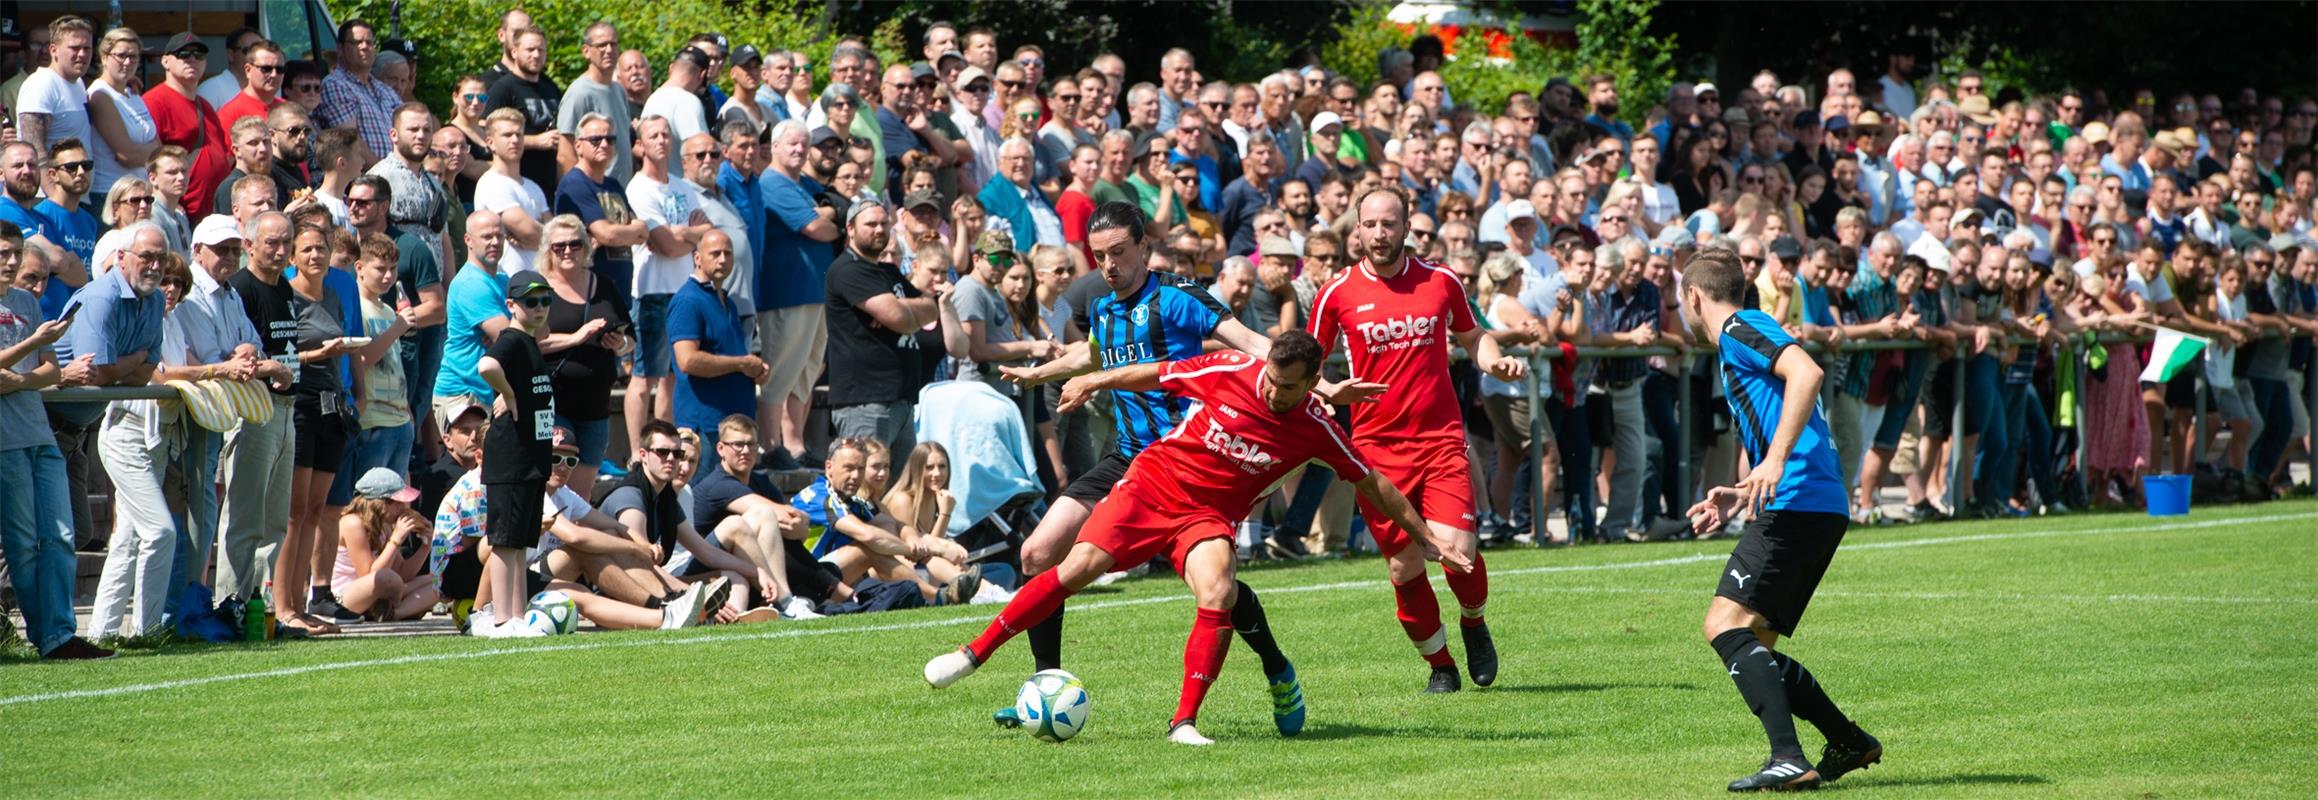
(1779, 775)
(1480, 654)
(1444, 681)
(1841, 758)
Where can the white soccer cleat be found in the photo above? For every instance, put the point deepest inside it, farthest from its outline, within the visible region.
(947, 668)
(1185, 733)
(482, 624)
(518, 629)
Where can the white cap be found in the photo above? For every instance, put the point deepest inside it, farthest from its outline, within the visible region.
(1964, 214)
(1519, 209)
(1325, 119)
(216, 229)
(1703, 88)
(2084, 268)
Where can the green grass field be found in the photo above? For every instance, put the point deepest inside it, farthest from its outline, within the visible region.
(2088, 656)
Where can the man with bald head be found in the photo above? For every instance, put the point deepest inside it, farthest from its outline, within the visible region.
(477, 311)
(258, 458)
(717, 376)
(116, 341)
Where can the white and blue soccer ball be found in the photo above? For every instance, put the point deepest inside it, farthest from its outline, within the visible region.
(1053, 705)
(552, 612)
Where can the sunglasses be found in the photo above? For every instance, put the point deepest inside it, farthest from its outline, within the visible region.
(710, 155)
(736, 443)
(534, 303)
(474, 97)
(140, 200)
(267, 69)
(1014, 84)
(666, 452)
(564, 461)
(1751, 260)
(297, 130)
(595, 141)
(572, 246)
(83, 165)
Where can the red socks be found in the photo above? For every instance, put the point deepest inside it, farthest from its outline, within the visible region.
(1471, 589)
(1033, 604)
(1202, 660)
(1420, 616)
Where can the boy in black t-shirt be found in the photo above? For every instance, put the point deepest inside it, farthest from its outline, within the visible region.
(516, 448)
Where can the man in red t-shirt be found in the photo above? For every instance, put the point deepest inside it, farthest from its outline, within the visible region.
(182, 118)
(1397, 315)
(1254, 423)
(261, 90)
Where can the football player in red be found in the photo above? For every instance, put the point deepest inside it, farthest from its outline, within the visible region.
(1397, 316)
(1253, 422)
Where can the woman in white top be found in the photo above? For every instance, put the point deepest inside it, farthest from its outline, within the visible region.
(379, 571)
(125, 133)
(1498, 292)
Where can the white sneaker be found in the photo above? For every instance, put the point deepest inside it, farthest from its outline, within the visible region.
(992, 594)
(482, 624)
(518, 629)
(1186, 734)
(948, 667)
(683, 611)
(794, 607)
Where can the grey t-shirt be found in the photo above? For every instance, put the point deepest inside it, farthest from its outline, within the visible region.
(1264, 308)
(23, 422)
(979, 302)
(584, 97)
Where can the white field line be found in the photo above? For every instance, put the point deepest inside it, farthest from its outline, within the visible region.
(608, 643)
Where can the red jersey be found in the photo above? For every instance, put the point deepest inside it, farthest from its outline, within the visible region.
(1397, 333)
(191, 123)
(1232, 447)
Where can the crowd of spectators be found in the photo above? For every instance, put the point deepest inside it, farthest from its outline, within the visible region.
(386, 324)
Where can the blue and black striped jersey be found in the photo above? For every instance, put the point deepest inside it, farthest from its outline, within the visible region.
(1166, 320)
(1751, 344)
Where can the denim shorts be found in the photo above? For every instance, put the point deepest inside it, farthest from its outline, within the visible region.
(594, 435)
(652, 356)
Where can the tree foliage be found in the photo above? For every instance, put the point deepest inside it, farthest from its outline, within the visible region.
(1606, 43)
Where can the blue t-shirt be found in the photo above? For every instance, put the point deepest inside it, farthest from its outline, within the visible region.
(709, 318)
(72, 229)
(1210, 178)
(477, 294)
(1168, 319)
(749, 202)
(1751, 343)
(794, 267)
(820, 505)
(56, 294)
(594, 202)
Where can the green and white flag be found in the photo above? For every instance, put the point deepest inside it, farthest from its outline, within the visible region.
(2172, 351)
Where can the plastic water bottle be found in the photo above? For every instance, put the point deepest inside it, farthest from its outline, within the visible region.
(257, 621)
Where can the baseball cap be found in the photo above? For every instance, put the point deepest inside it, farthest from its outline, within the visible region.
(862, 205)
(1807, 119)
(1325, 119)
(564, 440)
(216, 229)
(967, 76)
(949, 54)
(823, 135)
(1674, 237)
(1276, 246)
(1836, 124)
(1869, 119)
(2166, 141)
(526, 283)
(994, 242)
(185, 40)
(381, 483)
(920, 71)
(1786, 248)
(1703, 88)
(747, 54)
(459, 411)
(1938, 258)
(931, 198)
(693, 56)
(1964, 215)
(2095, 132)
(1519, 209)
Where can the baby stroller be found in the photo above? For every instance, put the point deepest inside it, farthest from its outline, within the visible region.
(993, 471)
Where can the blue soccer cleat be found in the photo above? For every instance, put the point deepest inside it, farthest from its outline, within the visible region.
(1287, 702)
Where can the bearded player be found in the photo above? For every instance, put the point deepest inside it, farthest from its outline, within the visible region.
(1795, 496)
(1252, 422)
(1397, 315)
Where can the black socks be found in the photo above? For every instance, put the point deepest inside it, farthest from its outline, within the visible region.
(1247, 617)
(1758, 672)
(1046, 642)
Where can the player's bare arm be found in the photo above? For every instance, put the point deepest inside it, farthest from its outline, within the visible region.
(1489, 357)
(1130, 378)
(1076, 359)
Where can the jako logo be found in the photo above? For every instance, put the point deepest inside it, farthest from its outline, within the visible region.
(1394, 329)
(1250, 458)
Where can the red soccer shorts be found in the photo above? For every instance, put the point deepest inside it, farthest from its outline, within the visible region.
(1137, 522)
(1437, 478)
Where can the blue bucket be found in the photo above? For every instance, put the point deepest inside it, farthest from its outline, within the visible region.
(2168, 495)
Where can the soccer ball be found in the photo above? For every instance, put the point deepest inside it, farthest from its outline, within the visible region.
(553, 612)
(1053, 704)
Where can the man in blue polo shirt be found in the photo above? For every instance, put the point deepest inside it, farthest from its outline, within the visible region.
(115, 340)
(717, 375)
